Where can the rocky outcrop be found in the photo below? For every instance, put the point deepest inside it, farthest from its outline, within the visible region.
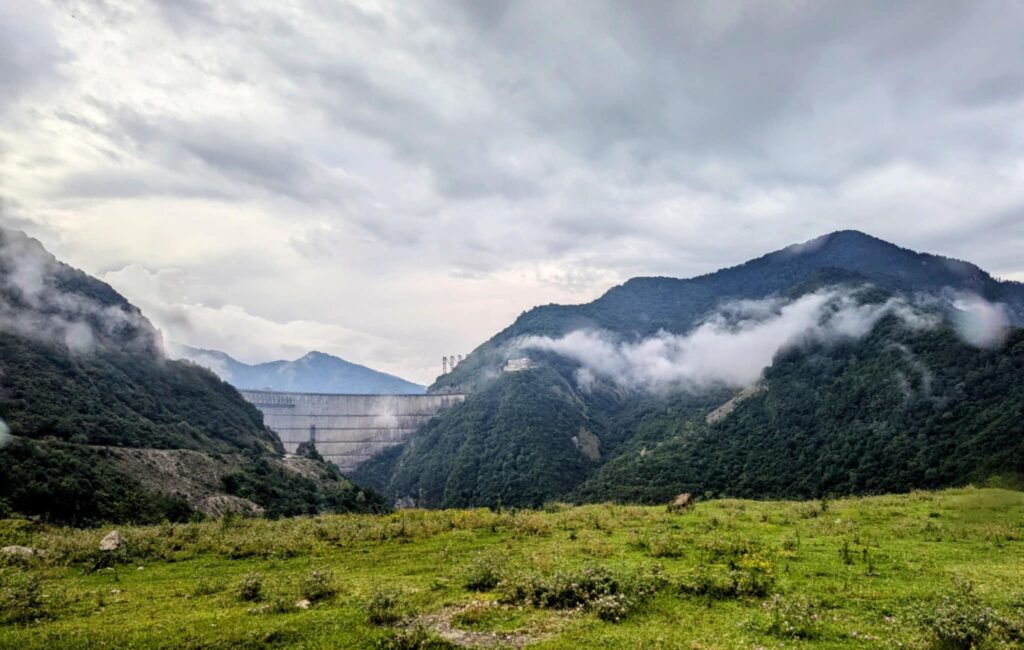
(19, 552)
(218, 505)
(680, 503)
(112, 542)
(724, 410)
(588, 444)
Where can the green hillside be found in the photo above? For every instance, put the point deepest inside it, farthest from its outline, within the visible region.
(511, 443)
(920, 571)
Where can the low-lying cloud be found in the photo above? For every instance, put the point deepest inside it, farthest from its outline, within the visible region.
(733, 347)
(215, 364)
(34, 302)
(979, 322)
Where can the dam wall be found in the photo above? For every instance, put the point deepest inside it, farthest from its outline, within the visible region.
(346, 429)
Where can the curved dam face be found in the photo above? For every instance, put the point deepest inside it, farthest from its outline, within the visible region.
(346, 429)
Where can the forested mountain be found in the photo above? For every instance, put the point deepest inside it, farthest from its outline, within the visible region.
(104, 428)
(875, 378)
(643, 306)
(315, 372)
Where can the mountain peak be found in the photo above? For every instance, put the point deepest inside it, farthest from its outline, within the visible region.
(840, 239)
(314, 372)
(643, 306)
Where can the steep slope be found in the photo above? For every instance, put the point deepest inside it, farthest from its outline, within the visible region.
(82, 376)
(517, 442)
(658, 355)
(316, 372)
(524, 439)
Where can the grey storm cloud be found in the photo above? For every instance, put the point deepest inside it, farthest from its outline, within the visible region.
(30, 52)
(502, 153)
(667, 87)
(501, 99)
(242, 156)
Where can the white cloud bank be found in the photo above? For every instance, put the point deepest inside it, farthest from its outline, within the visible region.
(33, 302)
(736, 344)
(980, 323)
(250, 338)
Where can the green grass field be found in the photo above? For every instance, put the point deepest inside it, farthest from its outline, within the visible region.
(943, 569)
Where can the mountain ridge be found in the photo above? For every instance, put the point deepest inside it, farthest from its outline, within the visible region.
(642, 306)
(314, 372)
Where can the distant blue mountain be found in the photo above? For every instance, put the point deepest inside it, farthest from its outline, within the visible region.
(314, 373)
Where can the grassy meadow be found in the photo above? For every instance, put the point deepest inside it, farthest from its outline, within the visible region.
(921, 570)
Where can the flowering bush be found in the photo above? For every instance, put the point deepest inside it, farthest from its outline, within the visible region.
(562, 589)
(792, 618)
(613, 608)
(250, 589)
(754, 575)
(962, 621)
(318, 585)
(383, 607)
(483, 573)
(750, 575)
(611, 597)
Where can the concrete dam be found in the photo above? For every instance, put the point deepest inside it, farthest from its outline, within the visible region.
(346, 429)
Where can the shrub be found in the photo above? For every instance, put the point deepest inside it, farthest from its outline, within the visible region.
(281, 604)
(529, 524)
(483, 573)
(596, 589)
(810, 510)
(317, 586)
(714, 582)
(205, 587)
(754, 575)
(667, 546)
(250, 589)
(383, 607)
(845, 553)
(791, 544)
(751, 575)
(727, 549)
(962, 622)
(612, 608)
(792, 618)
(22, 601)
(562, 589)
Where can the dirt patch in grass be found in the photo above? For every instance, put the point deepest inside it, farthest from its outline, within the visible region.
(447, 625)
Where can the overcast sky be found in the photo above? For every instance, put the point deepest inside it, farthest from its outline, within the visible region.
(394, 181)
